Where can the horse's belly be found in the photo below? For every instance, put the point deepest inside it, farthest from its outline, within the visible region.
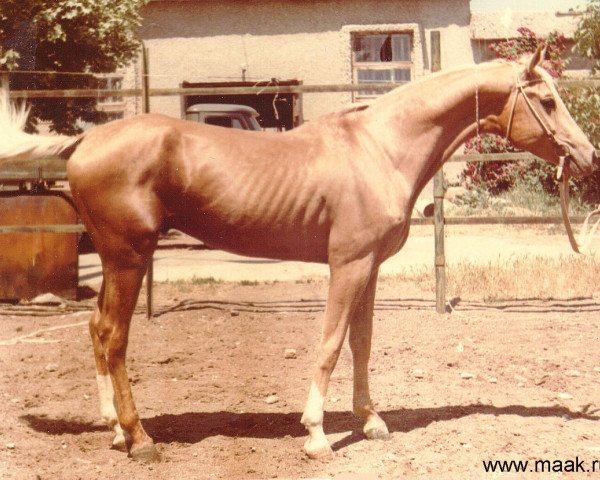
(258, 239)
(276, 211)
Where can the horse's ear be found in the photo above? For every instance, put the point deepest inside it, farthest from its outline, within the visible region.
(536, 58)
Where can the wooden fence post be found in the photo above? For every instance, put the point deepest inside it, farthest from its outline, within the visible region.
(4, 87)
(146, 109)
(440, 256)
(438, 201)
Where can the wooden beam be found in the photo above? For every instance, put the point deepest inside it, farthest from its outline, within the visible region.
(270, 90)
(54, 228)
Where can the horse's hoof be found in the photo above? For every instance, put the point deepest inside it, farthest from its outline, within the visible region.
(145, 454)
(322, 452)
(379, 432)
(119, 445)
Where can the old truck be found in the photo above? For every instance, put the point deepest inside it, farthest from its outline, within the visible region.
(224, 115)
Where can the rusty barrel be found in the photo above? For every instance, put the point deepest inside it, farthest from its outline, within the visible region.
(37, 262)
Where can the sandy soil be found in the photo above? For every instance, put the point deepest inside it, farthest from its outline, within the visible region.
(516, 381)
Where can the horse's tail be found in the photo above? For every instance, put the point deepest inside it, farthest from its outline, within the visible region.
(17, 145)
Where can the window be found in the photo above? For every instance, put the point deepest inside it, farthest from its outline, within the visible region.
(110, 116)
(115, 102)
(224, 121)
(384, 58)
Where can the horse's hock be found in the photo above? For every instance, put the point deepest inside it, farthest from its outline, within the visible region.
(37, 262)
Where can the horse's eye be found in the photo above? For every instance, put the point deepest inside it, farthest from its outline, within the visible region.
(549, 104)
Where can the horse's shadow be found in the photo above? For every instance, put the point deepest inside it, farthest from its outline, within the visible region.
(194, 427)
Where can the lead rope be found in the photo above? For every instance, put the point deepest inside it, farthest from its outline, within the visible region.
(586, 235)
(563, 187)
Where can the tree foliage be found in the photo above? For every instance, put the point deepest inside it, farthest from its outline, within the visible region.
(66, 36)
(587, 35)
(584, 103)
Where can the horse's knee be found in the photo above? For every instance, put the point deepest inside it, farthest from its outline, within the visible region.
(111, 339)
(328, 357)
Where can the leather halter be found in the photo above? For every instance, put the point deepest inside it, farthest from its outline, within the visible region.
(562, 148)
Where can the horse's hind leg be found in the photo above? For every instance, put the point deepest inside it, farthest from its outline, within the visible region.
(122, 282)
(361, 330)
(105, 388)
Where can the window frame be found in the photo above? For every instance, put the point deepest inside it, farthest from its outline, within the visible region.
(114, 103)
(388, 66)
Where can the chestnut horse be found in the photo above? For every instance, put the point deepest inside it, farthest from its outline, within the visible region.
(338, 190)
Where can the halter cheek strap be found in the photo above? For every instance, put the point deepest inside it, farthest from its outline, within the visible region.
(561, 148)
(520, 89)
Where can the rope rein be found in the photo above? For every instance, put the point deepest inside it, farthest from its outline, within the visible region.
(587, 233)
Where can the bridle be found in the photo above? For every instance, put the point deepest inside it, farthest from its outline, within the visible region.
(564, 155)
(563, 150)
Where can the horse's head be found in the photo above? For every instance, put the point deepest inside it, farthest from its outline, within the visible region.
(538, 121)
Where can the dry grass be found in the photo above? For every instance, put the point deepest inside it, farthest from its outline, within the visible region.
(521, 278)
(526, 277)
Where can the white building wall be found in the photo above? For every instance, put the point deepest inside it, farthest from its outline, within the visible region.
(204, 41)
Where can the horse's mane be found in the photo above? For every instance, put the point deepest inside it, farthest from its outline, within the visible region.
(339, 114)
(346, 111)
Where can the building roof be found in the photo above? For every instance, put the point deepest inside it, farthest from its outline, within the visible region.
(504, 24)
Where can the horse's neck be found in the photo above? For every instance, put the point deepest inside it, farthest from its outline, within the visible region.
(419, 126)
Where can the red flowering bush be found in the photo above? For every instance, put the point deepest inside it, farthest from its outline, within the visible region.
(528, 42)
(496, 177)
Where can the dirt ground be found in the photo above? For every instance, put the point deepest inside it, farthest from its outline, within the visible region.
(511, 381)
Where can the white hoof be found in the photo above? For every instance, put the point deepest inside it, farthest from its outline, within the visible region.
(318, 450)
(119, 443)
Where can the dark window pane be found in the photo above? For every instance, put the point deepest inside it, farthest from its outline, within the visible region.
(401, 75)
(385, 76)
(401, 47)
(394, 47)
(220, 121)
(373, 76)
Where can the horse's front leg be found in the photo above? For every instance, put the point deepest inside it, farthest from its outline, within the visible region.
(361, 331)
(346, 287)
